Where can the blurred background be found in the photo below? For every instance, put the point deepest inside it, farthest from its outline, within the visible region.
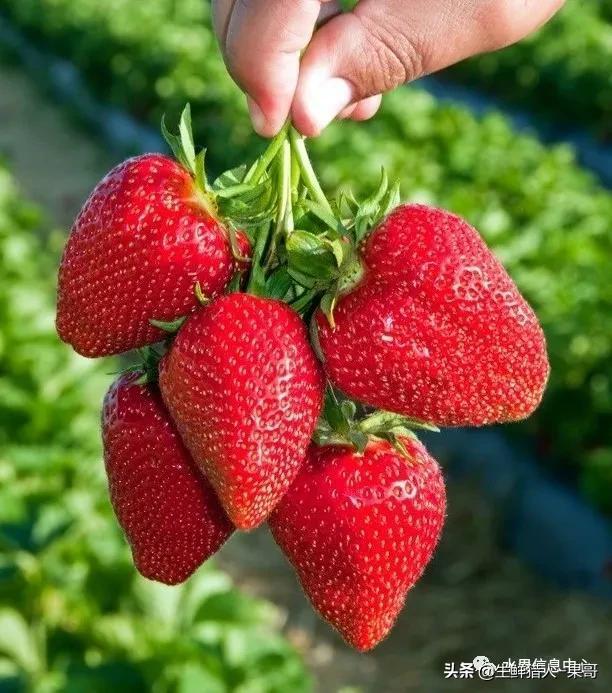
(520, 143)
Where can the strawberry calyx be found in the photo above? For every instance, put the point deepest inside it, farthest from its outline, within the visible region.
(174, 325)
(343, 422)
(147, 368)
(238, 198)
(305, 247)
(183, 147)
(323, 256)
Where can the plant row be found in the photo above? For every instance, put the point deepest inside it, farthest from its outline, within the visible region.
(74, 614)
(544, 216)
(561, 72)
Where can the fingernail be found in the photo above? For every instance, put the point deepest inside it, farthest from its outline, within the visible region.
(327, 100)
(257, 117)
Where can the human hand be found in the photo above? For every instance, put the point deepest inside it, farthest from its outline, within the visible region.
(350, 59)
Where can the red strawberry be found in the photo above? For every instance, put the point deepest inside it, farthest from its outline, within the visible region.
(144, 238)
(435, 329)
(245, 390)
(359, 530)
(169, 512)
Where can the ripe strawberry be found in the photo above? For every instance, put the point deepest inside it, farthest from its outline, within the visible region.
(359, 530)
(144, 238)
(245, 390)
(168, 511)
(435, 328)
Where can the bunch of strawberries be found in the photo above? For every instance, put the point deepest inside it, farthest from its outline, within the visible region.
(259, 309)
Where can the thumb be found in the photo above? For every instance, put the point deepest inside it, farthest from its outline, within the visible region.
(385, 43)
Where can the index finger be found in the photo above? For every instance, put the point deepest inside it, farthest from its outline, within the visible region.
(262, 46)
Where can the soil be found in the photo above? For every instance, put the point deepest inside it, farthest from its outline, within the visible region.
(475, 599)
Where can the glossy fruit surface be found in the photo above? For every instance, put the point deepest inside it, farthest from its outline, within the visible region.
(435, 329)
(168, 511)
(359, 531)
(245, 390)
(141, 242)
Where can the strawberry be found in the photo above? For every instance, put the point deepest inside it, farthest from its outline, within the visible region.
(144, 238)
(359, 530)
(434, 328)
(245, 390)
(168, 511)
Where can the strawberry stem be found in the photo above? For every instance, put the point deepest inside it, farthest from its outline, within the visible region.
(255, 174)
(284, 216)
(307, 171)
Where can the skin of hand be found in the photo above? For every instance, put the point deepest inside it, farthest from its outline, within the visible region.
(307, 59)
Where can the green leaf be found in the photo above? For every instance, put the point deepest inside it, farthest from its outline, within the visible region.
(17, 641)
(313, 255)
(182, 145)
(279, 283)
(230, 179)
(195, 679)
(200, 171)
(186, 138)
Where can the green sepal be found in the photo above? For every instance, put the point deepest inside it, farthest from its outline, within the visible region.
(200, 171)
(304, 280)
(149, 365)
(361, 216)
(332, 223)
(230, 179)
(358, 440)
(384, 421)
(279, 284)
(313, 255)
(170, 326)
(257, 279)
(328, 305)
(339, 424)
(235, 283)
(245, 203)
(182, 145)
(201, 297)
(340, 418)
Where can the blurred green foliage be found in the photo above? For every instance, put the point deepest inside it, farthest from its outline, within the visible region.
(562, 71)
(74, 614)
(545, 217)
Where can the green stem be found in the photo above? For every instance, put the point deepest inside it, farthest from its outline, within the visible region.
(284, 218)
(268, 156)
(302, 301)
(257, 276)
(308, 174)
